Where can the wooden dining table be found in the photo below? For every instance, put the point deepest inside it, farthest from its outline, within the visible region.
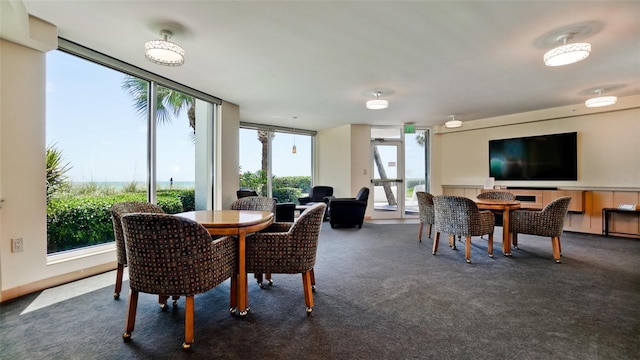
(505, 206)
(237, 223)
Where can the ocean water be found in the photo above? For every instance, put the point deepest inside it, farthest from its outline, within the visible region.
(117, 185)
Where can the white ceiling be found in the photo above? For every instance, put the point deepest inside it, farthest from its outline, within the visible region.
(321, 60)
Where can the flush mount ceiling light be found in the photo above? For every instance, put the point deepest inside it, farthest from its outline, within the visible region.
(601, 100)
(567, 53)
(453, 123)
(378, 103)
(164, 52)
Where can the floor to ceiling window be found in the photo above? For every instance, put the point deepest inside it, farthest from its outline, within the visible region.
(269, 165)
(104, 148)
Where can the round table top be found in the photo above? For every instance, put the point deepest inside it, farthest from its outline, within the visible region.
(228, 218)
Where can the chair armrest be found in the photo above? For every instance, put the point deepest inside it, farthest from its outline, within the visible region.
(278, 227)
(304, 200)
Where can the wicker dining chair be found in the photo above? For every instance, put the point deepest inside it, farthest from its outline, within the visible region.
(173, 255)
(460, 216)
(259, 203)
(427, 214)
(290, 251)
(497, 195)
(117, 211)
(546, 222)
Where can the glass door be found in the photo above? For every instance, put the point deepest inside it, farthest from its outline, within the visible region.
(387, 182)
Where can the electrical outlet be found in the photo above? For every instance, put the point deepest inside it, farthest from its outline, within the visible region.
(17, 245)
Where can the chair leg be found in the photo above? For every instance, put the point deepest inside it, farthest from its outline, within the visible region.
(467, 249)
(313, 280)
(130, 321)
(436, 240)
(555, 243)
(429, 229)
(188, 322)
(267, 276)
(452, 241)
(162, 300)
(490, 245)
(233, 296)
(308, 294)
(514, 240)
(119, 274)
(420, 232)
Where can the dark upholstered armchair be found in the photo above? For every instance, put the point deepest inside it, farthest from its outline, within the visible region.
(456, 215)
(290, 249)
(317, 194)
(117, 211)
(427, 214)
(349, 211)
(168, 254)
(546, 222)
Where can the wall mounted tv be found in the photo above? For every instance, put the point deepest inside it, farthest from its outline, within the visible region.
(543, 157)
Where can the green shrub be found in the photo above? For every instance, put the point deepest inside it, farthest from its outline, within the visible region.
(78, 221)
(287, 194)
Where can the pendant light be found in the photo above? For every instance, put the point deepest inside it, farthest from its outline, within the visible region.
(293, 149)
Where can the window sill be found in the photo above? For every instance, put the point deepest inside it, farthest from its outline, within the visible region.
(77, 254)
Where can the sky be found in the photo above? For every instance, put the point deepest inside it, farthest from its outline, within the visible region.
(92, 120)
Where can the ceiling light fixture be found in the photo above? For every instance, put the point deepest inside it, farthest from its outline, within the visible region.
(164, 52)
(377, 104)
(601, 100)
(567, 53)
(453, 123)
(293, 149)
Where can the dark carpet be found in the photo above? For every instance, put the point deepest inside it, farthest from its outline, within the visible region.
(381, 295)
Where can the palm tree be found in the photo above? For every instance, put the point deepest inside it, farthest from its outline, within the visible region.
(56, 169)
(168, 101)
(263, 137)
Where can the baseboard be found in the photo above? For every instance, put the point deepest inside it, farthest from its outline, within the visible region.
(55, 281)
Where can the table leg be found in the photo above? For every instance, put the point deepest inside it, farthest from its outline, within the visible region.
(243, 307)
(506, 245)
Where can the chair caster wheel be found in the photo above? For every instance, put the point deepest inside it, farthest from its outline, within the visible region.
(309, 310)
(232, 311)
(270, 282)
(164, 307)
(186, 346)
(261, 285)
(491, 256)
(116, 296)
(433, 253)
(175, 303)
(313, 288)
(558, 262)
(468, 261)
(126, 337)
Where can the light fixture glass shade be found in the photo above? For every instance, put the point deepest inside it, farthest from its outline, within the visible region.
(601, 101)
(377, 104)
(453, 124)
(567, 54)
(294, 150)
(164, 52)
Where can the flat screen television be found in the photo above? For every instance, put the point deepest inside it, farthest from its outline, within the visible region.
(543, 157)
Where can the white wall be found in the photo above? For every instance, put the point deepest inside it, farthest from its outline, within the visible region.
(333, 159)
(608, 148)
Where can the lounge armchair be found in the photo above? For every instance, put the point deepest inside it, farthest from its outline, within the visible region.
(318, 194)
(349, 211)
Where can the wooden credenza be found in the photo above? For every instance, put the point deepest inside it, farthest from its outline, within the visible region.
(585, 209)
